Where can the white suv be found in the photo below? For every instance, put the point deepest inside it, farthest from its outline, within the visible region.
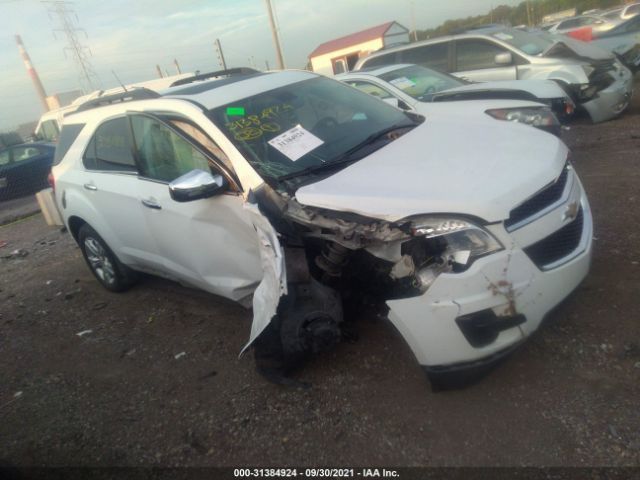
(297, 193)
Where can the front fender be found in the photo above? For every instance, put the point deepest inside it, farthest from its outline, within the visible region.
(274, 280)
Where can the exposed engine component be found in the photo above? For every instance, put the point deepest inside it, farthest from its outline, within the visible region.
(307, 321)
(310, 319)
(332, 259)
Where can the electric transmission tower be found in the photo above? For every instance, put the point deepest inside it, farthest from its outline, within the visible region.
(80, 54)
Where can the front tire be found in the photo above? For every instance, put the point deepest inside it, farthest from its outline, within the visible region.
(113, 275)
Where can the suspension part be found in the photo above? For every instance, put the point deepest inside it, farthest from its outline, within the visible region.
(332, 259)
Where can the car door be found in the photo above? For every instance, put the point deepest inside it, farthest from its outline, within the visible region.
(5, 159)
(475, 60)
(110, 185)
(210, 243)
(30, 166)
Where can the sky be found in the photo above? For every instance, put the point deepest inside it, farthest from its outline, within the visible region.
(130, 37)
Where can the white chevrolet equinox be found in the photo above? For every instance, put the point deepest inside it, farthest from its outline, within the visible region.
(304, 197)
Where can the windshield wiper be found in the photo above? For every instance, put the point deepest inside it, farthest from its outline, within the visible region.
(347, 156)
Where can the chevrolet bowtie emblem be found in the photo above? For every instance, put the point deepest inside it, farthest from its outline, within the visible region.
(571, 212)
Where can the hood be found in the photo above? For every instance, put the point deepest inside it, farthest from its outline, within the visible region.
(619, 45)
(567, 47)
(445, 166)
(515, 89)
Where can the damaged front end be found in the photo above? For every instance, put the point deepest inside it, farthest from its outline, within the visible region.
(322, 265)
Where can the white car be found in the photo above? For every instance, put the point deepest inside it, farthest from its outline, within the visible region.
(49, 124)
(593, 77)
(623, 13)
(598, 24)
(428, 92)
(295, 193)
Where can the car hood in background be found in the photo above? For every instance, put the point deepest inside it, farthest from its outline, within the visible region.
(515, 89)
(449, 165)
(567, 47)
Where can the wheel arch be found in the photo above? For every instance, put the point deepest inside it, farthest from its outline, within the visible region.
(75, 224)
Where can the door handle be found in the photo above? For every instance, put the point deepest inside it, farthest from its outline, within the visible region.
(90, 186)
(151, 203)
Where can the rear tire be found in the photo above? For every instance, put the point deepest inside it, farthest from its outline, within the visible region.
(105, 266)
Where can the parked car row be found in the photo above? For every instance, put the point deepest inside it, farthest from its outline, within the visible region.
(304, 197)
(594, 78)
(428, 92)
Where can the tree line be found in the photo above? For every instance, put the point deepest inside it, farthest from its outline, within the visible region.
(525, 13)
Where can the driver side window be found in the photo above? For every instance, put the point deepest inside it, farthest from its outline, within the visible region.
(162, 153)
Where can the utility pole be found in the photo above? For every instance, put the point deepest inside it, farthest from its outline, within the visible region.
(79, 53)
(528, 13)
(32, 73)
(413, 20)
(159, 71)
(276, 39)
(220, 54)
(175, 62)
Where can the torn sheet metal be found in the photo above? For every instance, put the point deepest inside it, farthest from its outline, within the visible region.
(274, 280)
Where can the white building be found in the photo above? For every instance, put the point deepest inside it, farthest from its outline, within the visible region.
(340, 55)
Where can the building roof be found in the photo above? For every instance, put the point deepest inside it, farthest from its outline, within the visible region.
(353, 39)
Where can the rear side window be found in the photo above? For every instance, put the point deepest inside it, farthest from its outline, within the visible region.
(574, 22)
(380, 60)
(111, 148)
(432, 56)
(67, 137)
(476, 55)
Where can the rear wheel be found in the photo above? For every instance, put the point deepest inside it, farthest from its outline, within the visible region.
(104, 265)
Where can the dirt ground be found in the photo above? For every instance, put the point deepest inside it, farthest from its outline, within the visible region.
(155, 377)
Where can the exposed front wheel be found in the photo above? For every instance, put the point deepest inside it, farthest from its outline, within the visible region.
(102, 262)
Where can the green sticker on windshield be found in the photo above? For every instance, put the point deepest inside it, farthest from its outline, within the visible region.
(235, 111)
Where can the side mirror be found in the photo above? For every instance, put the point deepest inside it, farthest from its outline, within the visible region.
(504, 58)
(195, 185)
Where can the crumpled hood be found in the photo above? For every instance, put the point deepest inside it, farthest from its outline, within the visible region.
(538, 88)
(578, 50)
(445, 166)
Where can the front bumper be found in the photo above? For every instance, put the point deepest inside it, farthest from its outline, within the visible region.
(613, 100)
(507, 284)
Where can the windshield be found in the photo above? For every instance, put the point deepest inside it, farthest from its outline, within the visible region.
(525, 42)
(420, 82)
(305, 125)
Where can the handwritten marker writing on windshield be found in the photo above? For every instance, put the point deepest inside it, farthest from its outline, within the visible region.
(235, 111)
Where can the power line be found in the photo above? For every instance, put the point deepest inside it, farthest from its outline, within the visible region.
(63, 10)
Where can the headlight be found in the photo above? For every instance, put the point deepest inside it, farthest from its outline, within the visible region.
(539, 117)
(465, 240)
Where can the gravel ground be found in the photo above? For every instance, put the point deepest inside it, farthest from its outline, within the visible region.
(152, 376)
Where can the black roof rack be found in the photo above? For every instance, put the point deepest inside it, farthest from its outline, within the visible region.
(127, 96)
(220, 73)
